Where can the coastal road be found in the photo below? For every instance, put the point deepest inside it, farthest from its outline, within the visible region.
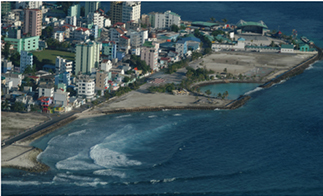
(38, 128)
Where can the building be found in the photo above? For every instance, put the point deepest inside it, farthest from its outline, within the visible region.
(64, 78)
(59, 36)
(131, 10)
(87, 57)
(124, 43)
(61, 97)
(74, 10)
(72, 20)
(106, 65)
(149, 53)
(16, 78)
(26, 59)
(244, 27)
(62, 65)
(164, 20)
(287, 48)
(181, 47)
(14, 32)
(109, 48)
(101, 81)
(6, 65)
(116, 33)
(145, 20)
(46, 90)
(35, 4)
(91, 6)
(82, 33)
(33, 22)
(96, 19)
(5, 7)
(85, 86)
(116, 11)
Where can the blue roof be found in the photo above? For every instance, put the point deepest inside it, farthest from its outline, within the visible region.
(191, 39)
(181, 41)
(241, 39)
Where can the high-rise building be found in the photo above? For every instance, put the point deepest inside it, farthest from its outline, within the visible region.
(91, 6)
(87, 57)
(5, 7)
(74, 10)
(96, 19)
(72, 20)
(116, 11)
(26, 59)
(131, 10)
(35, 4)
(163, 20)
(85, 86)
(63, 65)
(33, 22)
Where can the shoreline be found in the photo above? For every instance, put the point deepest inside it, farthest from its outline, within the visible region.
(233, 104)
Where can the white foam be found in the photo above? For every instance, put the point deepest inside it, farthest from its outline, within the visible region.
(177, 115)
(79, 178)
(110, 172)
(77, 133)
(169, 179)
(282, 81)
(254, 90)
(154, 181)
(75, 163)
(21, 183)
(310, 67)
(124, 116)
(108, 158)
(152, 116)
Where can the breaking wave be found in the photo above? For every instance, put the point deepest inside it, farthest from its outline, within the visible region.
(254, 90)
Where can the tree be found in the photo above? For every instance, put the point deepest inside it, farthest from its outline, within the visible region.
(18, 107)
(272, 44)
(208, 92)
(65, 5)
(48, 31)
(5, 105)
(126, 79)
(6, 50)
(212, 19)
(219, 95)
(225, 20)
(174, 28)
(225, 70)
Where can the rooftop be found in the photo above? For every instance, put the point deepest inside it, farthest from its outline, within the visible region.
(204, 24)
(243, 23)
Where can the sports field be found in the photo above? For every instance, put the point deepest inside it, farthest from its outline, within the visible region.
(52, 54)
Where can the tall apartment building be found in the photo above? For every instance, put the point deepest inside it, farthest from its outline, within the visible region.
(5, 7)
(131, 10)
(74, 10)
(163, 20)
(96, 19)
(149, 53)
(116, 11)
(26, 59)
(33, 22)
(109, 48)
(101, 81)
(63, 65)
(72, 20)
(27, 44)
(87, 57)
(35, 4)
(91, 6)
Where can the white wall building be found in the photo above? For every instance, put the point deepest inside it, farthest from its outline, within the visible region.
(72, 20)
(106, 65)
(63, 65)
(96, 18)
(172, 18)
(61, 97)
(59, 36)
(131, 10)
(26, 58)
(35, 4)
(106, 22)
(15, 78)
(46, 91)
(85, 86)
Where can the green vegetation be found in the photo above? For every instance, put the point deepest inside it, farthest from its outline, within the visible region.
(52, 54)
(208, 92)
(174, 67)
(18, 107)
(122, 90)
(135, 61)
(163, 88)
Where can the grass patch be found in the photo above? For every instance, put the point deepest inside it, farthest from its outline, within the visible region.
(52, 54)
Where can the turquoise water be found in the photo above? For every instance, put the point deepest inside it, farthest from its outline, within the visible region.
(270, 146)
(234, 89)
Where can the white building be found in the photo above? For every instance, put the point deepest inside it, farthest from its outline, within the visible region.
(59, 36)
(287, 48)
(61, 97)
(72, 20)
(46, 91)
(164, 20)
(85, 86)
(116, 33)
(35, 4)
(16, 79)
(240, 45)
(63, 65)
(81, 33)
(106, 22)
(96, 18)
(26, 58)
(106, 65)
(172, 18)
(131, 10)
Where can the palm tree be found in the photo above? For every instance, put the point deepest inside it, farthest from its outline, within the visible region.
(225, 20)
(219, 95)
(212, 19)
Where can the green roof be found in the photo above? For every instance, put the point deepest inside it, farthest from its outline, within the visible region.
(172, 13)
(148, 44)
(206, 24)
(287, 46)
(243, 23)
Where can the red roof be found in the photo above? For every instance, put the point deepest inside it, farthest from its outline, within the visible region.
(101, 10)
(118, 24)
(107, 42)
(124, 37)
(136, 68)
(164, 58)
(33, 77)
(120, 31)
(105, 60)
(123, 29)
(82, 29)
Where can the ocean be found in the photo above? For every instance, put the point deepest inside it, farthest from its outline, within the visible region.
(273, 145)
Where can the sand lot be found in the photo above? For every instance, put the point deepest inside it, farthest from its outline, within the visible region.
(12, 123)
(243, 62)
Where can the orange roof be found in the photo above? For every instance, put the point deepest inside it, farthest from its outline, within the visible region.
(136, 68)
(124, 37)
(82, 29)
(120, 31)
